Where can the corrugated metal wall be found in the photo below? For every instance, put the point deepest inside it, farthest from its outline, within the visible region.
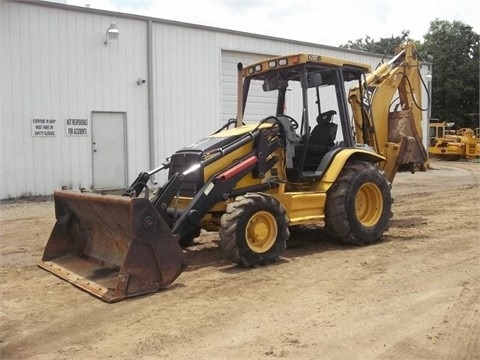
(54, 65)
(186, 73)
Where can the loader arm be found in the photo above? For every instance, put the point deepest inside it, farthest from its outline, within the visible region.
(222, 185)
(116, 247)
(397, 134)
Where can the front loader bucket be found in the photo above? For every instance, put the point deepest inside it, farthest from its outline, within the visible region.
(114, 247)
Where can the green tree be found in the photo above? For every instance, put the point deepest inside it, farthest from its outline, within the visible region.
(384, 46)
(453, 49)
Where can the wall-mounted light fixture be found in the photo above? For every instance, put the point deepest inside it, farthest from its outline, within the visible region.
(111, 34)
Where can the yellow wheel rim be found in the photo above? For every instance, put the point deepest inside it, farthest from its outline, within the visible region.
(261, 232)
(369, 204)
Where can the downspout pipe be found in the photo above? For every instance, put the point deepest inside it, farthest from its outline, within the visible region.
(151, 125)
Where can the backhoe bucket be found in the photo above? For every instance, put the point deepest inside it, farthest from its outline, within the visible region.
(114, 247)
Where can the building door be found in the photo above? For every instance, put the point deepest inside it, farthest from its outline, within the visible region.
(109, 150)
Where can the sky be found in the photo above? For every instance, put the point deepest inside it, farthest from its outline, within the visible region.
(333, 22)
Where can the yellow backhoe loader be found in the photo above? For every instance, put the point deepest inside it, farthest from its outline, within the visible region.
(255, 177)
(452, 145)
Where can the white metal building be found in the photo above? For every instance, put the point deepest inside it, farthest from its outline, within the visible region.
(81, 110)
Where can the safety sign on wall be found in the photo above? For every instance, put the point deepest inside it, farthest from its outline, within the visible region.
(43, 127)
(77, 127)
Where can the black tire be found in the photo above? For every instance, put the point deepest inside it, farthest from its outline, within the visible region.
(254, 230)
(359, 205)
(187, 240)
(449, 157)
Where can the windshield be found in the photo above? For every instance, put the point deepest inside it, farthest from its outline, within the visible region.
(302, 93)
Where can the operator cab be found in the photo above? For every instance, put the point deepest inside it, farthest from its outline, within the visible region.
(309, 101)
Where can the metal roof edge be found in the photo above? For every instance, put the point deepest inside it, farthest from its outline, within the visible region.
(53, 4)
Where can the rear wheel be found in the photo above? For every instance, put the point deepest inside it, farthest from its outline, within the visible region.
(359, 204)
(254, 230)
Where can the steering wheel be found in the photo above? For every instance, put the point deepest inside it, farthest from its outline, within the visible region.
(292, 121)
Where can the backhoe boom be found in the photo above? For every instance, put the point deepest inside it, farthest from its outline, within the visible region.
(394, 133)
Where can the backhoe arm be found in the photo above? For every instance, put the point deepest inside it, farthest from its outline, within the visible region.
(395, 134)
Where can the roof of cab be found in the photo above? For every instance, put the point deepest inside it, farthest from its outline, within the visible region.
(296, 59)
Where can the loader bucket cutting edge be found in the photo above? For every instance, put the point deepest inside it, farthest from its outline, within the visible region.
(113, 247)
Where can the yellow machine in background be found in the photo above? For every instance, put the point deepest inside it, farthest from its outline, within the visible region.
(453, 145)
(330, 163)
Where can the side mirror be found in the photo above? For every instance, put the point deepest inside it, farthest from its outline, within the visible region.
(274, 83)
(314, 80)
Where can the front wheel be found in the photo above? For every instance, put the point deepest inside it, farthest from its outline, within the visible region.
(359, 204)
(254, 230)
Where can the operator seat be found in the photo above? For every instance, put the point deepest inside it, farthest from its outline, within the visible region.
(321, 140)
(325, 131)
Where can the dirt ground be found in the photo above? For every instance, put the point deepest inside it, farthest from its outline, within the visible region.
(415, 295)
